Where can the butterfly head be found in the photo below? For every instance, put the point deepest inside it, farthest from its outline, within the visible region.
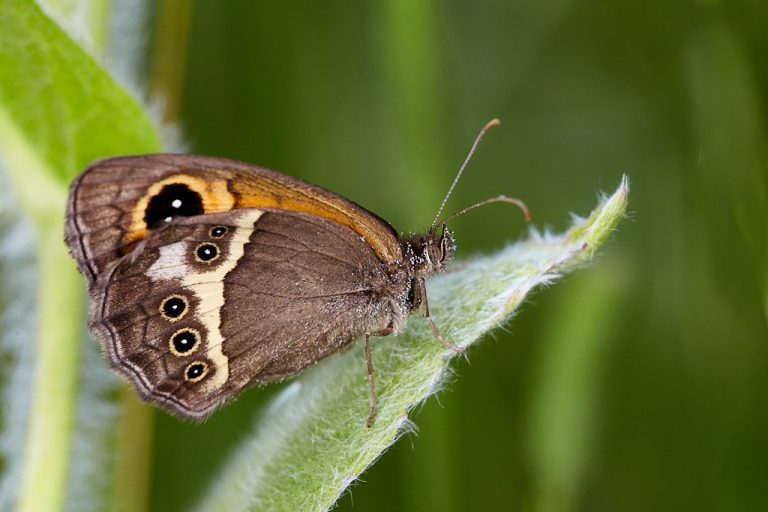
(430, 253)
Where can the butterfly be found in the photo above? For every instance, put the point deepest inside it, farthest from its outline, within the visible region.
(207, 275)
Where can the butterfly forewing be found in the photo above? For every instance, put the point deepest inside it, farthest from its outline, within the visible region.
(115, 203)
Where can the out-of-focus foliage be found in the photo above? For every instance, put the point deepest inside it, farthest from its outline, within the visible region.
(637, 384)
(648, 392)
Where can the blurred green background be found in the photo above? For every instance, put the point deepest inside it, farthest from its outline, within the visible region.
(637, 384)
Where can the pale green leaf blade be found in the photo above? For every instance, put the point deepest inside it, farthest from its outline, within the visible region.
(311, 443)
(57, 98)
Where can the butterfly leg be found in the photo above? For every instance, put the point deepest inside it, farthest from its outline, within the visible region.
(425, 304)
(371, 390)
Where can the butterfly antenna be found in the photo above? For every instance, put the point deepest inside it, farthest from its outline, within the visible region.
(497, 199)
(490, 124)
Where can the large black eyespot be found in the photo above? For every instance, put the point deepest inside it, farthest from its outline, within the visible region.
(218, 231)
(184, 341)
(196, 371)
(207, 252)
(174, 200)
(173, 307)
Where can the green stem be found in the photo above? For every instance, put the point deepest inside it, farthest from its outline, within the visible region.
(170, 49)
(134, 453)
(55, 386)
(411, 56)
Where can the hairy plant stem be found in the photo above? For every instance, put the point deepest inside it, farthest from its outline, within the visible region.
(55, 385)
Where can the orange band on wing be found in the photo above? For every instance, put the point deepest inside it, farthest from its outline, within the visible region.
(222, 195)
(270, 193)
(215, 197)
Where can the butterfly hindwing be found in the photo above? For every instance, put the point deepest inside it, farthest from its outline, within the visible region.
(208, 304)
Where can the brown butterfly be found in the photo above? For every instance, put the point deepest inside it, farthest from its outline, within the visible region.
(207, 275)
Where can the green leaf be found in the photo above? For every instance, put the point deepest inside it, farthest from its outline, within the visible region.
(59, 110)
(311, 443)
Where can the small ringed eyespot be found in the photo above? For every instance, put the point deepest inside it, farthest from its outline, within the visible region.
(184, 341)
(174, 307)
(196, 371)
(218, 231)
(207, 252)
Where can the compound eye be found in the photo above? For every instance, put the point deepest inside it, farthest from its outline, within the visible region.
(434, 253)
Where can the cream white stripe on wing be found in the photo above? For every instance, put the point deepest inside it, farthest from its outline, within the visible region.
(208, 287)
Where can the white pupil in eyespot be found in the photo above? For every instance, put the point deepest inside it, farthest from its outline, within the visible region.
(176, 203)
